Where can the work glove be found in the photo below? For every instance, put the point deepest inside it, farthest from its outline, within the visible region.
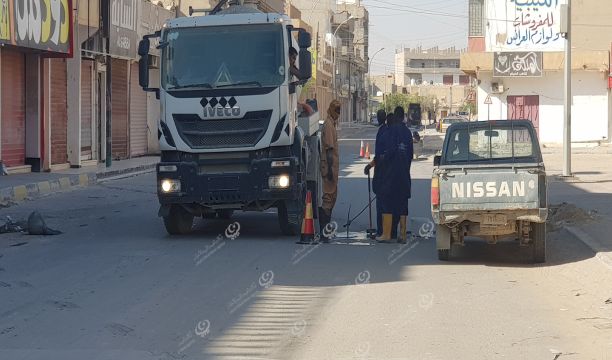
(367, 169)
(330, 175)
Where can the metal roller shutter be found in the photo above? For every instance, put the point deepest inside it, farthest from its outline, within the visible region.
(13, 108)
(119, 88)
(138, 115)
(59, 113)
(86, 109)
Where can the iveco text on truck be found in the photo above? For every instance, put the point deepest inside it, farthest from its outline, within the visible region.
(230, 134)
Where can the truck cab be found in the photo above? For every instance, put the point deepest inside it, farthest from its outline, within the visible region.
(230, 132)
(490, 182)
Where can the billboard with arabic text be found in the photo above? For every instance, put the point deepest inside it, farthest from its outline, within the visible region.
(524, 25)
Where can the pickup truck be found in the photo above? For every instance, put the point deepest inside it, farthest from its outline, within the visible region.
(490, 182)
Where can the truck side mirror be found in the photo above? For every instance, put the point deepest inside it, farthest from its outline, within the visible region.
(437, 160)
(143, 47)
(304, 39)
(305, 64)
(143, 72)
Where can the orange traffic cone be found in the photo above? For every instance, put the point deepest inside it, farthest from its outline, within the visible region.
(367, 152)
(308, 234)
(361, 151)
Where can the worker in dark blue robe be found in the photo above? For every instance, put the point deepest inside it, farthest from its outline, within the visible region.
(396, 182)
(381, 117)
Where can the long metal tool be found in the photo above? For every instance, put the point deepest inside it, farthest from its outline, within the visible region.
(371, 231)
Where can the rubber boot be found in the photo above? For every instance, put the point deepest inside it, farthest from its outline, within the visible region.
(403, 231)
(387, 222)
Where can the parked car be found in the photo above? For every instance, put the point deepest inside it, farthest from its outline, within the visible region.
(490, 182)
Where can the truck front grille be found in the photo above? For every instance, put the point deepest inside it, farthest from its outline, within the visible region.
(201, 133)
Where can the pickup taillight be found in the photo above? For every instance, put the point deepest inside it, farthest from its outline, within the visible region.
(435, 192)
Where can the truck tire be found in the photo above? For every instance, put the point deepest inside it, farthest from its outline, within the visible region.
(443, 242)
(538, 236)
(179, 221)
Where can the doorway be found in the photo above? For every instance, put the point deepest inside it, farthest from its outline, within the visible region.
(525, 107)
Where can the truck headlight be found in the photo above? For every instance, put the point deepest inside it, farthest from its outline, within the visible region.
(170, 186)
(278, 182)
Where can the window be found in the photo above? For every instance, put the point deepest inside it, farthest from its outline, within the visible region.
(491, 143)
(447, 79)
(476, 14)
(423, 65)
(464, 80)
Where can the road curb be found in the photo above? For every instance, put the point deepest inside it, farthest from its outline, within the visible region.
(603, 256)
(31, 191)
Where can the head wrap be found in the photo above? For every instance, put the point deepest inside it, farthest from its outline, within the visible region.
(334, 110)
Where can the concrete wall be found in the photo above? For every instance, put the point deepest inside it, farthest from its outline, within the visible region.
(590, 110)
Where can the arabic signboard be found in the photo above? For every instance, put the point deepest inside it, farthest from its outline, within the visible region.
(518, 64)
(524, 25)
(152, 19)
(36, 24)
(123, 28)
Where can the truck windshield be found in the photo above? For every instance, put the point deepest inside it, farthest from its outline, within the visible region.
(501, 143)
(223, 56)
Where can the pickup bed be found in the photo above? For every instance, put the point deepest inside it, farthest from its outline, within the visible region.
(490, 182)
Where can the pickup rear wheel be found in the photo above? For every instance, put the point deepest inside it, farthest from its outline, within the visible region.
(179, 221)
(538, 237)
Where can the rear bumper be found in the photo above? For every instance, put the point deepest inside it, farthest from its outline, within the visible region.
(228, 189)
(455, 217)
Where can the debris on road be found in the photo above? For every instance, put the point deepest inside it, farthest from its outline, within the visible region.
(565, 213)
(35, 225)
(609, 301)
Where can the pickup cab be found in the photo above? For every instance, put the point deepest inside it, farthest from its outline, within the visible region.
(490, 182)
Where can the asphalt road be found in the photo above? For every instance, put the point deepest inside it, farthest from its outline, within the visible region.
(115, 286)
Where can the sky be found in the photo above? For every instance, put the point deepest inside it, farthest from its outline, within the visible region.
(411, 23)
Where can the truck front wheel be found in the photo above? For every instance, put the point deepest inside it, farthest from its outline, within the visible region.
(538, 238)
(179, 221)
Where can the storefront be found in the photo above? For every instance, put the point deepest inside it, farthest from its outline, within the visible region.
(31, 85)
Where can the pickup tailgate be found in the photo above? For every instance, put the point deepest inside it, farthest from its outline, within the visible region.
(491, 189)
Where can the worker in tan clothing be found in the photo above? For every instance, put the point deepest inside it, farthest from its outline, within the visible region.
(330, 167)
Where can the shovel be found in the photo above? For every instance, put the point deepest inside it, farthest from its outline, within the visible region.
(371, 231)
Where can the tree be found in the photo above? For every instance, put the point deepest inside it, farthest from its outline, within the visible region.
(394, 100)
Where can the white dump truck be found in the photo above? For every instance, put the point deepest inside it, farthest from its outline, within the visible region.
(231, 134)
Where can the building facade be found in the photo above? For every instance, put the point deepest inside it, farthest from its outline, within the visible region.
(516, 53)
(351, 26)
(434, 74)
(65, 84)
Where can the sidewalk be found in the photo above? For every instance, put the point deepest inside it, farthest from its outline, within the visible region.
(15, 188)
(590, 191)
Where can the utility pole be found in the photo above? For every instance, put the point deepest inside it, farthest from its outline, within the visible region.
(106, 11)
(566, 28)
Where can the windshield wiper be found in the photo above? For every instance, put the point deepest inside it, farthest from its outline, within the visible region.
(202, 85)
(246, 83)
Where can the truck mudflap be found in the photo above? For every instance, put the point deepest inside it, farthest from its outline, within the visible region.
(218, 185)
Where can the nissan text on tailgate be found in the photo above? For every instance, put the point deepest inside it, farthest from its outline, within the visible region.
(490, 182)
